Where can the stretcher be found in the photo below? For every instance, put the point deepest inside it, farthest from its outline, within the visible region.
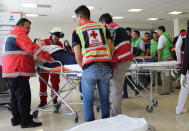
(150, 68)
(75, 72)
(69, 73)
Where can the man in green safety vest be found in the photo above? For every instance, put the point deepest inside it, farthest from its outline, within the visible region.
(164, 54)
(153, 50)
(137, 44)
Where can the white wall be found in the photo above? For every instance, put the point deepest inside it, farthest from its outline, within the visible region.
(41, 29)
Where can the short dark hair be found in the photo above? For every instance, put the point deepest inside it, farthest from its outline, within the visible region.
(146, 33)
(83, 11)
(22, 21)
(106, 18)
(137, 32)
(35, 40)
(128, 28)
(181, 31)
(161, 28)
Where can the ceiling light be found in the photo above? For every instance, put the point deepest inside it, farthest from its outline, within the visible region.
(118, 17)
(91, 7)
(73, 16)
(29, 5)
(31, 15)
(135, 10)
(153, 19)
(175, 12)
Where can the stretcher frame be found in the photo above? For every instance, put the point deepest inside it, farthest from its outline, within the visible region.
(153, 98)
(65, 75)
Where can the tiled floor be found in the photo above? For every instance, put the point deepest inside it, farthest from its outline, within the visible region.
(163, 117)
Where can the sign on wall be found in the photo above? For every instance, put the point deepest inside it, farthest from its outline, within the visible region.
(9, 18)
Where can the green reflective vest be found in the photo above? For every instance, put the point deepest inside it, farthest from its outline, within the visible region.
(135, 44)
(166, 52)
(153, 47)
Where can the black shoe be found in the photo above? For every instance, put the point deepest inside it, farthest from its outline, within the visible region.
(125, 96)
(136, 93)
(31, 124)
(42, 104)
(15, 122)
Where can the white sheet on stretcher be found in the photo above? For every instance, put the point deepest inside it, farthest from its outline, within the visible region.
(117, 123)
(149, 65)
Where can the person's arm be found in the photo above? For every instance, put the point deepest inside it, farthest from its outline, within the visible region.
(78, 57)
(24, 42)
(159, 54)
(141, 46)
(144, 57)
(76, 45)
(111, 46)
(161, 43)
(110, 36)
(178, 46)
(185, 65)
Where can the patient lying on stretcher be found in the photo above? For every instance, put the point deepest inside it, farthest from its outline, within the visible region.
(59, 54)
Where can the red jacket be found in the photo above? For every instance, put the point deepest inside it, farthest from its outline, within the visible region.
(123, 49)
(48, 42)
(19, 54)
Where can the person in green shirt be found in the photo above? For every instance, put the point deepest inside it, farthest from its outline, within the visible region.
(137, 44)
(164, 54)
(153, 50)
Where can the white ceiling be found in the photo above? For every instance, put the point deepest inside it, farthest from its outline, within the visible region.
(62, 10)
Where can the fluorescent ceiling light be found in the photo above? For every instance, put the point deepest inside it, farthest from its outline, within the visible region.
(91, 7)
(73, 16)
(175, 12)
(118, 17)
(31, 15)
(135, 10)
(29, 5)
(153, 18)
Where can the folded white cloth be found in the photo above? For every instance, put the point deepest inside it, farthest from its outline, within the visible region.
(117, 123)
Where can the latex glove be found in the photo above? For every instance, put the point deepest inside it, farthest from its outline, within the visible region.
(183, 80)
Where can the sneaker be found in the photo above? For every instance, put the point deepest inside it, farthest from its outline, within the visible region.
(181, 112)
(31, 124)
(125, 96)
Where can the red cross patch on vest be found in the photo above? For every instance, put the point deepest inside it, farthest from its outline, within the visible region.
(95, 38)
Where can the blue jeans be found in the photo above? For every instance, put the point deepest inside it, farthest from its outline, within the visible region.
(92, 76)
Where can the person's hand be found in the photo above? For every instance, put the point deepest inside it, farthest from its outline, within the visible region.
(51, 60)
(183, 81)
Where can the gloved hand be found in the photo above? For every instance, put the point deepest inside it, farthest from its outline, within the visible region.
(183, 80)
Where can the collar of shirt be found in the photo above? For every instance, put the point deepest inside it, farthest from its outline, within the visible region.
(86, 22)
(113, 24)
(17, 28)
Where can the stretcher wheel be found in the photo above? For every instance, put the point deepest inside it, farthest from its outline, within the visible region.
(98, 108)
(75, 118)
(155, 103)
(35, 114)
(149, 109)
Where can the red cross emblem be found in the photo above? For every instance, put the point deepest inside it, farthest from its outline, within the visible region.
(94, 35)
